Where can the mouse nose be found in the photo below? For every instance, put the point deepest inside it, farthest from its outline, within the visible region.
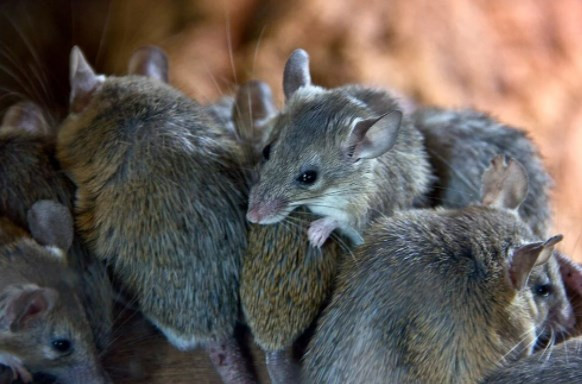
(253, 215)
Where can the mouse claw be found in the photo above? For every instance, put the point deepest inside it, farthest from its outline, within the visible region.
(320, 230)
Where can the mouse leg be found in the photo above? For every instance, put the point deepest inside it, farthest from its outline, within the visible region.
(14, 364)
(229, 362)
(319, 230)
(282, 366)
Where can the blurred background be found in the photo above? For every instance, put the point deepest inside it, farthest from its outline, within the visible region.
(519, 60)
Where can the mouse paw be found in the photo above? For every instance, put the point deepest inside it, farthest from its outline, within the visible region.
(319, 231)
(15, 365)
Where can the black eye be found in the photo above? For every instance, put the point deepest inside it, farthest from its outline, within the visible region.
(61, 345)
(543, 290)
(307, 177)
(267, 152)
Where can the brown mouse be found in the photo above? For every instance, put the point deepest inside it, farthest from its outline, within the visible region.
(338, 156)
(284, 280)
(30, 172)
(460, 145)
(435, 296)
(161, 198)
(43, 327)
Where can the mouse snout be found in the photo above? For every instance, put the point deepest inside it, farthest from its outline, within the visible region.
(265, 212)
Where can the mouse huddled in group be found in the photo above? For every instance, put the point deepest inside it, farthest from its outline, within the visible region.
(409, 245)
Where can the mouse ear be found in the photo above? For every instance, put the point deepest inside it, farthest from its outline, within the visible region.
(83, 79)
(571, 273)
(253, 109)
(527, 256)
(149, 61)
(26, 116)
(51, 225)
(504, 183)
(20, 304)
(371, 138)
(296, 73)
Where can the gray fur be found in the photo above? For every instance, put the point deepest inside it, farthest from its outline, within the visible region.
(460, 145)
(561, 364)
(427, 298)
(311, 132)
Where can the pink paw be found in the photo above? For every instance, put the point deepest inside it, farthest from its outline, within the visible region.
(18, 370)
(319, 231)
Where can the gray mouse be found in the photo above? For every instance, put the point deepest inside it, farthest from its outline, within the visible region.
(435, 295)
(43, 326)
(161, 197)
(29, 172)
(461, 144)
(337, 156)
(560, 364)
(284, 280)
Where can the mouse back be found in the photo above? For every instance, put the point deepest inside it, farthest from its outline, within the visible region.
(435, 295)
(460, 145)
(161, 190)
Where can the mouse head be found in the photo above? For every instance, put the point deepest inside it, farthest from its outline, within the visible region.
(324, 147)
(25, 116)
(42, 322)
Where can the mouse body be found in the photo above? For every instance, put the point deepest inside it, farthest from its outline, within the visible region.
(435, 296)
(160, 199)
(337, 156)
(43, 326)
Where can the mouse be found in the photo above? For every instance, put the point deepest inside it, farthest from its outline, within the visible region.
(338, 158)
(460, 145)
(435, 295)
(30, 172)
(284, 281)
(557, 365)
(43, 326)
(160, 199)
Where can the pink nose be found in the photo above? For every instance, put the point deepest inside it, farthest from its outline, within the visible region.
(253, 215)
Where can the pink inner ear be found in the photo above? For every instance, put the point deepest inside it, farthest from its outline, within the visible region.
(571, 273)
(26, 306)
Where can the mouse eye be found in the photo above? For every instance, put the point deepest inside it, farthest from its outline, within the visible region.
(61, 345)
(267, 152)
(543, 290)
(307, 177)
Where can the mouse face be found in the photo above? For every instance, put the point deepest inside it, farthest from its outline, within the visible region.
(43, 326)
(309, 161)
(554, 315)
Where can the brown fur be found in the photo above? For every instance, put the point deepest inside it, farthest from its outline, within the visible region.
(426, 299)
(285, 281)
(160, 201)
